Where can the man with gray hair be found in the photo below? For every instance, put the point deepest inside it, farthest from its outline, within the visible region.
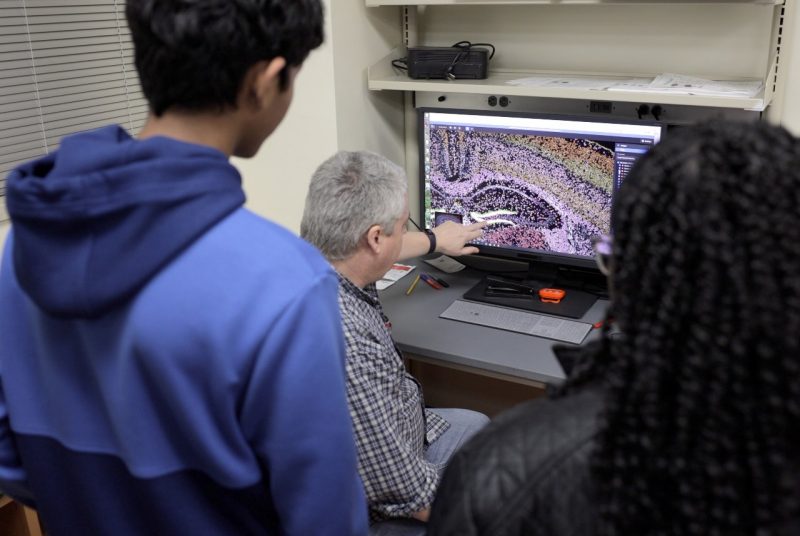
(356, 213)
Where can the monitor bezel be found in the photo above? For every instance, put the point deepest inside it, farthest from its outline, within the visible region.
(533, 255)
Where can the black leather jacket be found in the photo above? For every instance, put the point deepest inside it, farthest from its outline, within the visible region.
(526, 473)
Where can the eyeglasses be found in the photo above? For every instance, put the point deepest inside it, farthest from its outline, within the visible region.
(602, 253)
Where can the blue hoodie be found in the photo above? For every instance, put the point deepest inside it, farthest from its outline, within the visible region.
(170, 363)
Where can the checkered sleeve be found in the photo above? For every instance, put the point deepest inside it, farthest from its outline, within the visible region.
(397, 479)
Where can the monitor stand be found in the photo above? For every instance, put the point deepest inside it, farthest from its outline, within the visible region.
(582, 288)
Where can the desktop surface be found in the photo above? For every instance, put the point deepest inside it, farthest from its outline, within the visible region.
(417, 329)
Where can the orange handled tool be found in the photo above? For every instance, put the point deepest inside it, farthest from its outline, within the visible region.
(551, 295)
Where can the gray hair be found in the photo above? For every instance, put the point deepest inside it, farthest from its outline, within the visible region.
(349, 193)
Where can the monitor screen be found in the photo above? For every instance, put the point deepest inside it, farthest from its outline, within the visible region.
(543, 184)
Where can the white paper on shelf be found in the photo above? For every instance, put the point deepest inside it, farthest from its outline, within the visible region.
(690, 85)
(632, 84)
(572, 82)
(664, 83)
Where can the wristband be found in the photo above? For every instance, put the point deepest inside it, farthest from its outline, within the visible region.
(432, 239)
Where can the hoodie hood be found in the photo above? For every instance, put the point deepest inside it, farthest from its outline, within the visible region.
(94, 221)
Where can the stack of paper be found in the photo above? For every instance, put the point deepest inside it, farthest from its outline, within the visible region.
(690, 85)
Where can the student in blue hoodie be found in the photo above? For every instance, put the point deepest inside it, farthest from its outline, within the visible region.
(171, 363)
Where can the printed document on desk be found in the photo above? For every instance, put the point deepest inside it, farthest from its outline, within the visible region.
(492, 316)
(446, 264)
(395, 273)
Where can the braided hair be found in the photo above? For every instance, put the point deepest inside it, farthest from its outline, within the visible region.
(701, 433)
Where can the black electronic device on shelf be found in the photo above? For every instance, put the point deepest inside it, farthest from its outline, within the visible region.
(448, 62)
(462, 61)
(544, 184)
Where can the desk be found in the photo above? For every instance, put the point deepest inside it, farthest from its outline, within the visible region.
(16, 519)
(509, 357)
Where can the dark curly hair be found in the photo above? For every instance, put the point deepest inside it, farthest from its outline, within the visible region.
(194, 54)
(701, 434)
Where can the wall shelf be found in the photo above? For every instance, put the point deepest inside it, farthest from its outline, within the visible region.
(375, 3)
(382, 76)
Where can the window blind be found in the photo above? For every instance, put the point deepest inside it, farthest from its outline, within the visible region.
(65, 66)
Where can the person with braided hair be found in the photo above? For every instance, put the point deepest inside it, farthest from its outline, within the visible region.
(686, 422)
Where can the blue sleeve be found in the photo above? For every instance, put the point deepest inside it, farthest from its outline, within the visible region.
(13, 479)
(295, 416)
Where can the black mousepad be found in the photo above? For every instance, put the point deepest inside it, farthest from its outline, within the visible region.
(573, 305)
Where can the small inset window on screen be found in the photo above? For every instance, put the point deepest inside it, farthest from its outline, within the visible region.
(441, 217)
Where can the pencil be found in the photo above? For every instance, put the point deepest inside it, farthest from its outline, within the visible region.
(413, 284)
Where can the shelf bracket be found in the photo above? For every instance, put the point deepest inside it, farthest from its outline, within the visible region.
(410, 27)
(773, 63)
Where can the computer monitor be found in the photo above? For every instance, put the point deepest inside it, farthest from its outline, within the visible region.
(544, 184)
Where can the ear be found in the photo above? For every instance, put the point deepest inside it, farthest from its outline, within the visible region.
(374, 237)
(262, 82)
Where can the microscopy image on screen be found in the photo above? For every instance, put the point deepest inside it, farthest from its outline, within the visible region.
(536, 192)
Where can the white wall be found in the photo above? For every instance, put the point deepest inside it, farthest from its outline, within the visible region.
(276, 179)
(371, 120)
(332, 110)
(4, 227)
(706, 40)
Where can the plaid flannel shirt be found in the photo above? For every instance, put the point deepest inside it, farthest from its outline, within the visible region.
(392, 426)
